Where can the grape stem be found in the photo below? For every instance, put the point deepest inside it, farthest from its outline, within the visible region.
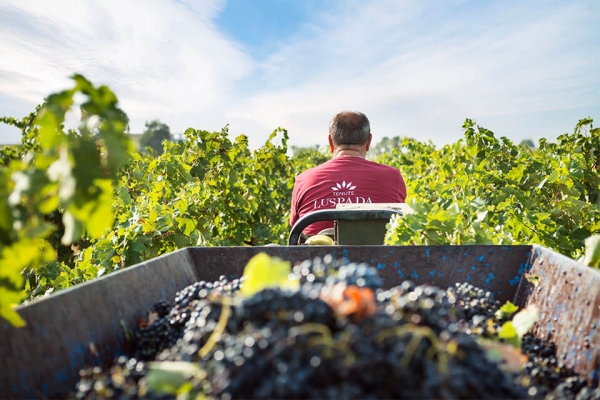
(417, 333)
(216, 334)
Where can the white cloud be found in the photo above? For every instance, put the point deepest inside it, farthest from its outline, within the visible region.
(160, 58)
(419, 71)
(416, 68)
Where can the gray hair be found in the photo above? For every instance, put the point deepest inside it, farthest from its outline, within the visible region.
(349, 127)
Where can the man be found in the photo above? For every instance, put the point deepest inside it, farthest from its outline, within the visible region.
(348, 177)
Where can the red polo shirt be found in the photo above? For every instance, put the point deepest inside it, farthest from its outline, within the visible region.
(344, 180)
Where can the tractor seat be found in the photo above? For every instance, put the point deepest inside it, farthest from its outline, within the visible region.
(354, 224)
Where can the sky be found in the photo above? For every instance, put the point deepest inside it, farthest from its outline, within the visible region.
(523, 69)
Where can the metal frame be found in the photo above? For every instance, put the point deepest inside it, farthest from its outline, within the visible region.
(338, 215)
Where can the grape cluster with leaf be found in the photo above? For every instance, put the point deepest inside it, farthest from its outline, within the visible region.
(326, 329)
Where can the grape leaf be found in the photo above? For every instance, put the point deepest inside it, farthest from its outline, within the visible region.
(513, 331)
(506, 310)
(171, 376)
(263, 272)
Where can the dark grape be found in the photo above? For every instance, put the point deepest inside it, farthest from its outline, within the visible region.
(341, 335)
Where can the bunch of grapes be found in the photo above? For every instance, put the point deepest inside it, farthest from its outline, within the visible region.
(124, 380)
(479, 311)
(172, 321)
(340, 335)
(320, 271)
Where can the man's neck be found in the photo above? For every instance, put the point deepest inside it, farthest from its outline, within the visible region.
(349, 153)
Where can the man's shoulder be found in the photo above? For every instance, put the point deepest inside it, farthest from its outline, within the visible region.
(309, 174)
(371, 162)
(336, 165)
(382, 167)
(324, 166)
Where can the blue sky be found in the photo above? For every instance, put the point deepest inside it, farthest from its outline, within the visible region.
(524, 69)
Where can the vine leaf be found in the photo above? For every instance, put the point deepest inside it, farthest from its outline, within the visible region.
(263, 271)
(513, 331)
(506, 310)
(172, 377)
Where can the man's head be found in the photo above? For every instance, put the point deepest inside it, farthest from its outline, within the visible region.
(350, 130)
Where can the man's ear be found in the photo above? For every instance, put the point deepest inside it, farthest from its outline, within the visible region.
(369, 141)
(331, 146)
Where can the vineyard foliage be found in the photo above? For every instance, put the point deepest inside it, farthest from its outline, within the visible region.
(488, 190)
(75, 205)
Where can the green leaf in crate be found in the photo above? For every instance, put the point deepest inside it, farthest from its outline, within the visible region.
(525, 319)
(513, 331)
(506, 310)
(263, 272)
(172, 377)
(533, 279)
(509, 334)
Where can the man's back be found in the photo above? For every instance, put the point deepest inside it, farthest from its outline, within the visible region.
(344, 179)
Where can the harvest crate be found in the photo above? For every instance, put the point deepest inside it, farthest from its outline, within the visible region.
(86, 324)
